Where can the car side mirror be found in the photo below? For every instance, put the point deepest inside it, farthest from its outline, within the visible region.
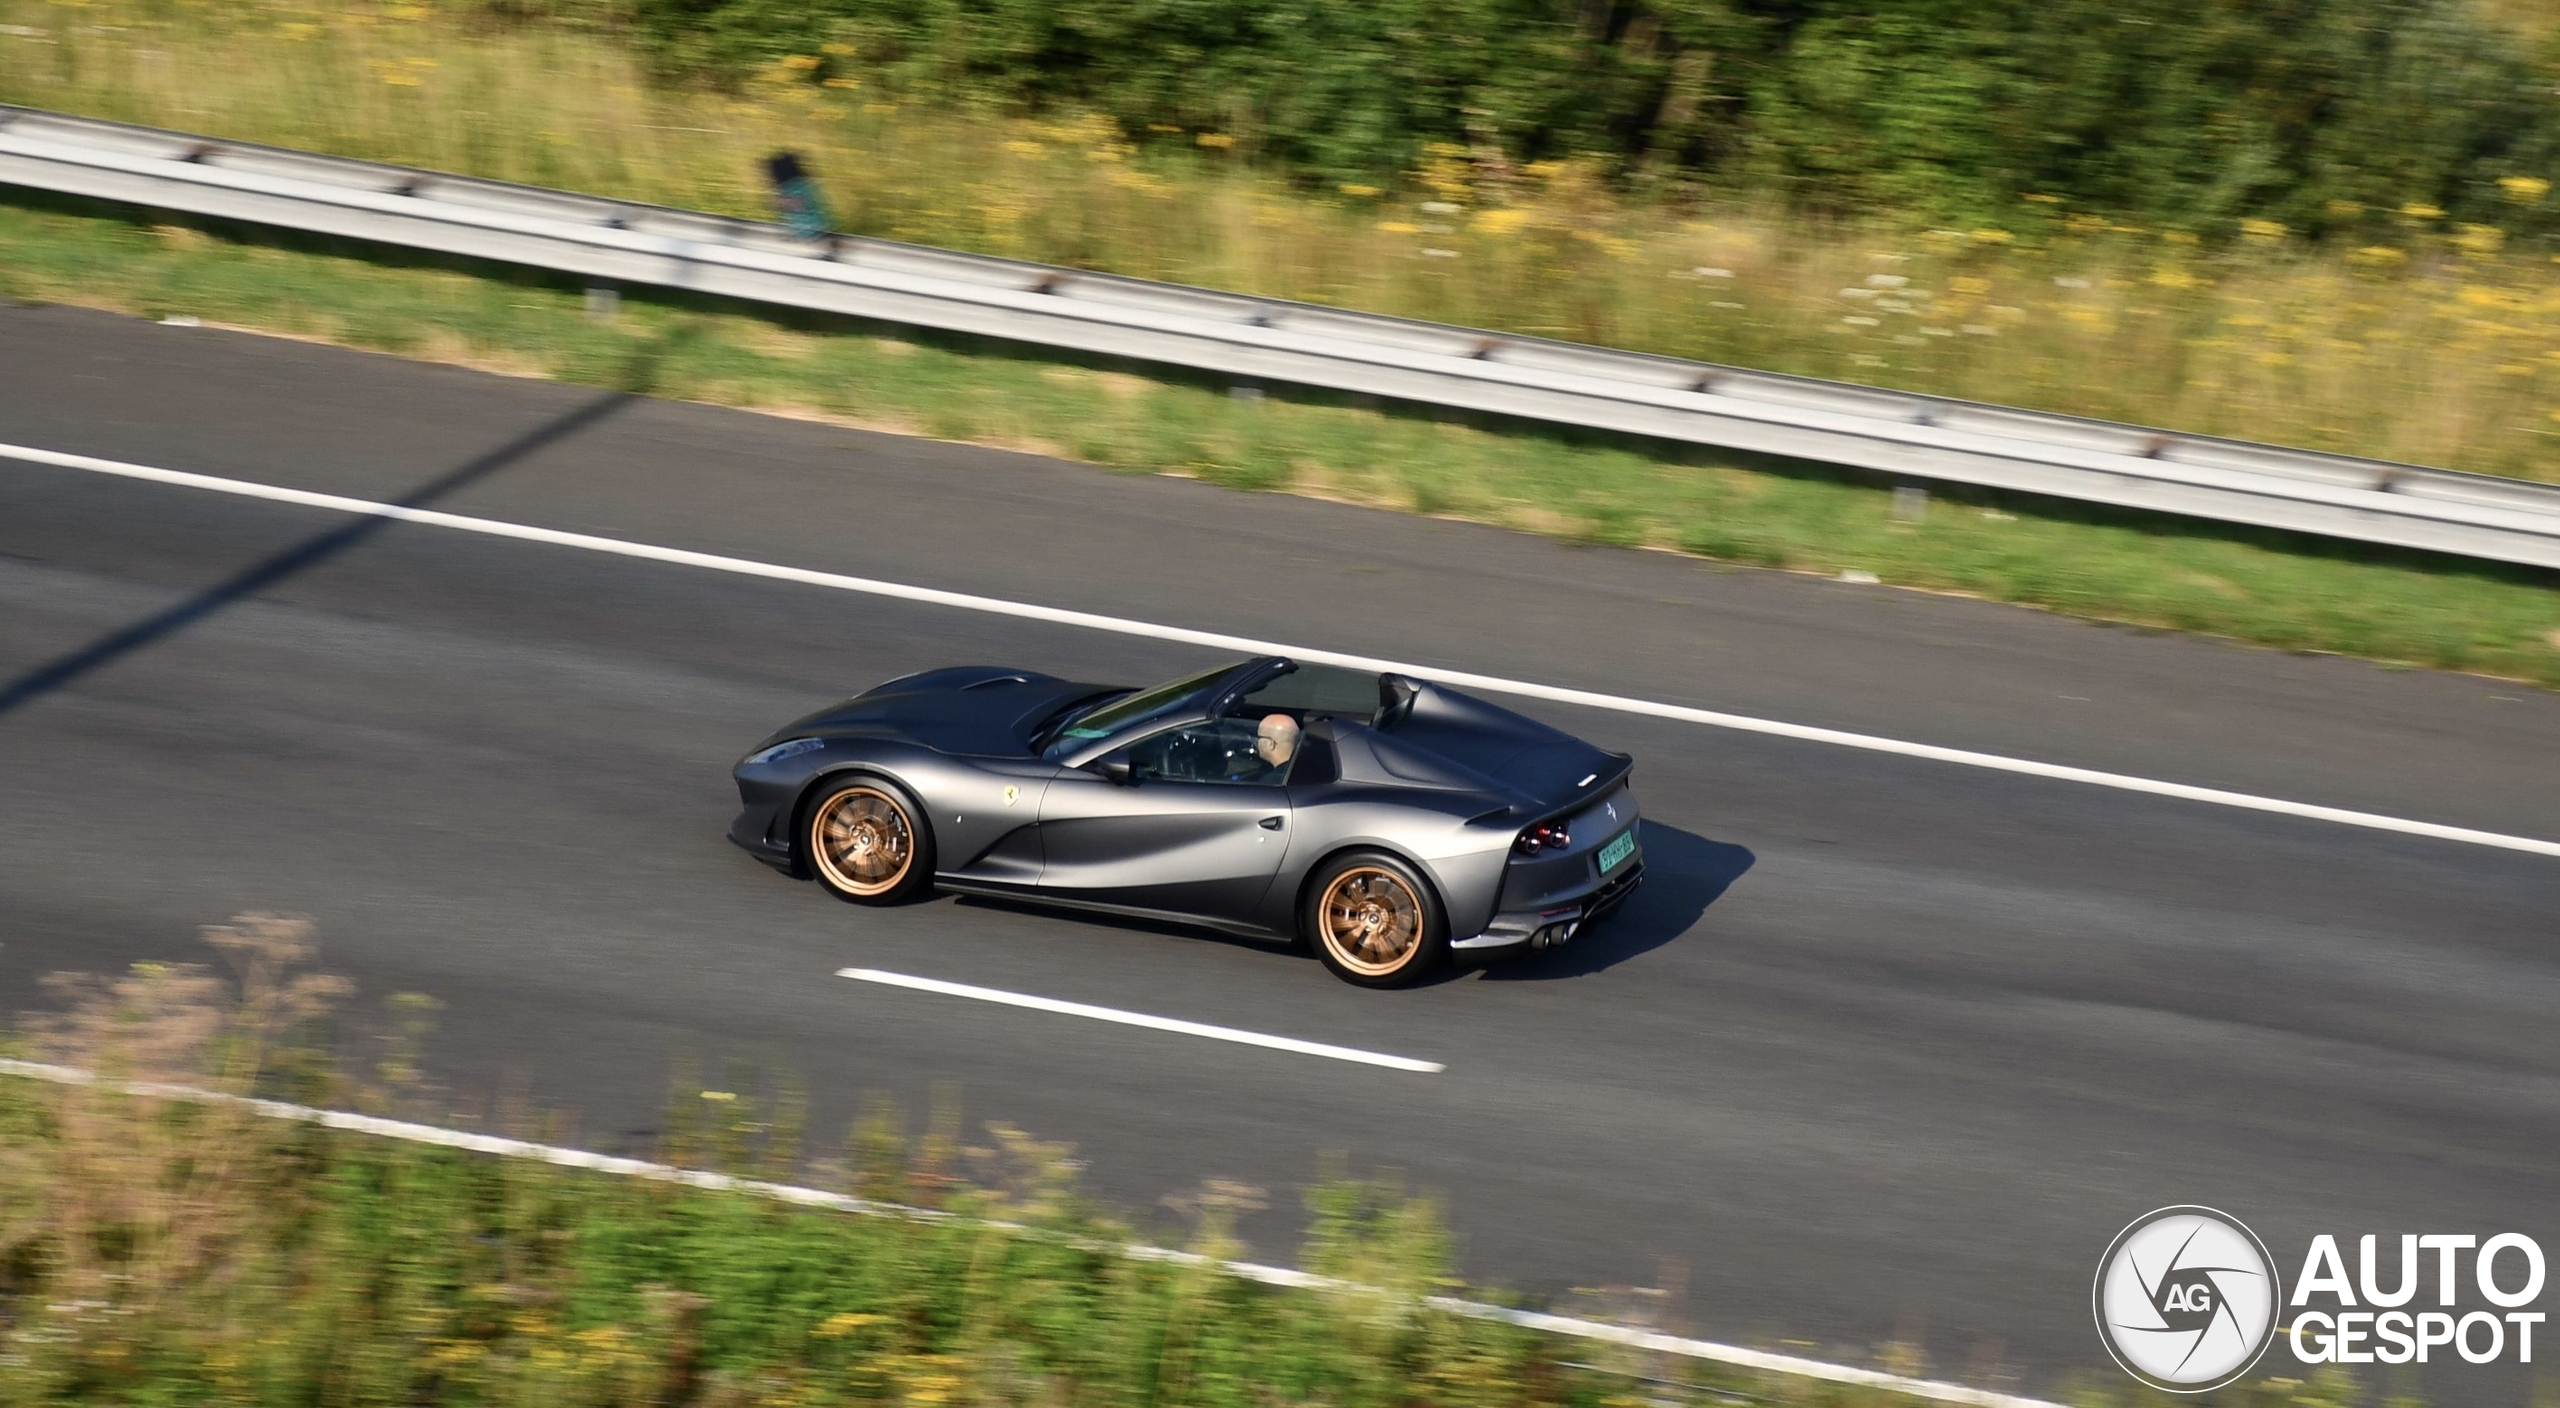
(1115, 769)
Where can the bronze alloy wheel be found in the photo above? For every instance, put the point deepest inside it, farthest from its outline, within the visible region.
(1371, 921)
(862, 842)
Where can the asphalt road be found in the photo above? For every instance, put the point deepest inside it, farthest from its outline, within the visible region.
(1886, 1048)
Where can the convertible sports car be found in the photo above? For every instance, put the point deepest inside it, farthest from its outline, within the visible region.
(1385, 821)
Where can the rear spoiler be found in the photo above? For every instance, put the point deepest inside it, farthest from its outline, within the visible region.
(1600, 783)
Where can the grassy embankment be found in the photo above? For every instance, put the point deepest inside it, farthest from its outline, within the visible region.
(159, 1251)
(178, 1251)
(2437, 347)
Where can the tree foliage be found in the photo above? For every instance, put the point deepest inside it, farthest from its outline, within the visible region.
(2176, 110)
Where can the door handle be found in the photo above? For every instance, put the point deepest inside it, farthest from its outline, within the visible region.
(1269, 823)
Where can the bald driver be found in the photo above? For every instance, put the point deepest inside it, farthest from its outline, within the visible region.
(1275, 741)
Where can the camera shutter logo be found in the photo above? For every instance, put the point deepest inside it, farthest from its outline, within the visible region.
(2186, 1299)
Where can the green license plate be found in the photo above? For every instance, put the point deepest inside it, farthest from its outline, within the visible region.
(1617, 851)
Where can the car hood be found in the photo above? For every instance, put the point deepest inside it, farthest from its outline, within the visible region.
(978, 709)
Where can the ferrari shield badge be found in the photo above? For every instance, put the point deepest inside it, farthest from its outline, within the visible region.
(1011, 793)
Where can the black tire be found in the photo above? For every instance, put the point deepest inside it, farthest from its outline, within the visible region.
(1374, 921)
(866, 841)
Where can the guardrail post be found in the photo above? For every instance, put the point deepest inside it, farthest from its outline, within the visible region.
(604, 303)
(1910, 503)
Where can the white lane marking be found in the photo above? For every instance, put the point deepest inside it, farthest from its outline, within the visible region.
(1219, 641)
(1141, 1019)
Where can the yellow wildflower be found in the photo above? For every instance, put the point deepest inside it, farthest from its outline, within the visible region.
(2481, 239)
(1219, 141)
(2524, 190)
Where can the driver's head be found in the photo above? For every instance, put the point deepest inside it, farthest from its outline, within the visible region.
(1275, 741)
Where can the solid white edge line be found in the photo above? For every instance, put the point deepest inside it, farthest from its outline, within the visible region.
(408, 1132)
(1140, 1019)
(1221, 641)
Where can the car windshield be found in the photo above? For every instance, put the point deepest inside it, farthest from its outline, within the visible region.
(1312, 692)
(1129, 710)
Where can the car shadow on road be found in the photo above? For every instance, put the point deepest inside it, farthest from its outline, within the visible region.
(1683, 874)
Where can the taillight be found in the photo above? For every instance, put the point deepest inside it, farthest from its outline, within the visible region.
(1543, 837)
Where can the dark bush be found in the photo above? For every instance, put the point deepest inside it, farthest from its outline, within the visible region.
(2184, 111)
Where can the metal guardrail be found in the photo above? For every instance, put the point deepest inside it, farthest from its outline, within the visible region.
(1890, 432)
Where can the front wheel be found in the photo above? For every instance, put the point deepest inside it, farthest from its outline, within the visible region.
(1374, 921)
(867, 843)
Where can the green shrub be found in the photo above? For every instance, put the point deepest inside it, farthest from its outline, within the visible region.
(2307, 112)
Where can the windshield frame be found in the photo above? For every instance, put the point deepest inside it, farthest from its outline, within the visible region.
(1097, 728)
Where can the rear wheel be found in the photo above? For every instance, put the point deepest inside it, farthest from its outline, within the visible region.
(867, 843)
(1374, 921)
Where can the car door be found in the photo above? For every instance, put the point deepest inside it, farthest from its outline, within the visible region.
(1199, 828)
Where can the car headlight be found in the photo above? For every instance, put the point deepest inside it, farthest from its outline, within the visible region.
(791, 749)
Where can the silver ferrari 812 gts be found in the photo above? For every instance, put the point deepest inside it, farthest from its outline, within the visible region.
(1387, 822)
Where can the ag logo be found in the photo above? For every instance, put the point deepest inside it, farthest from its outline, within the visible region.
(2186, 1299)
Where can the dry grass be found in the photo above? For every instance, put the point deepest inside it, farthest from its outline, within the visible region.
(2431, 344)
(2537, 20)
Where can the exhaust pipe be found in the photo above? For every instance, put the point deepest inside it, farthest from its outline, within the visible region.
(1556, 935)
